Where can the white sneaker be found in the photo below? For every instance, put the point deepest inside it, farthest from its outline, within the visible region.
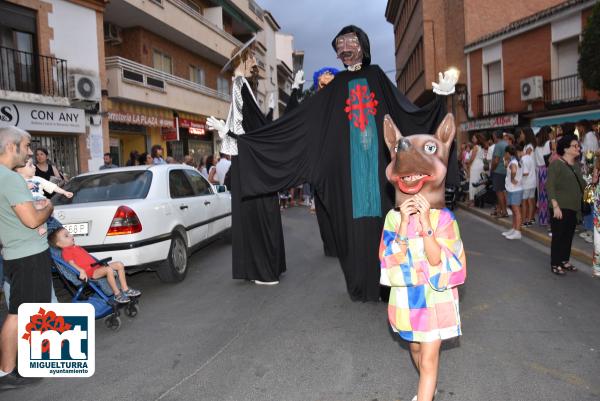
(515, 235)
(266, 282)
(509, 232)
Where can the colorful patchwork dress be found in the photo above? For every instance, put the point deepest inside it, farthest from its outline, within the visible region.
(423, 304)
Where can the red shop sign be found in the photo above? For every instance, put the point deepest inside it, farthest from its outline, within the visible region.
(169, 134)
(195, 127)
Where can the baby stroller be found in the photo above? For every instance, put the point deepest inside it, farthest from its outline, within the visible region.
(485, 194)
(95, 292)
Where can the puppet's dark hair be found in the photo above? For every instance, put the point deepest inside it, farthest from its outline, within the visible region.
(363, 39)
(322, 71)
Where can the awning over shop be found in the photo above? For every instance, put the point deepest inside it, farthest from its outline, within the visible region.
(135, 114)
(566, 118)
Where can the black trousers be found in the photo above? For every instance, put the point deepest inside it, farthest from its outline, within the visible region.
(562, 236)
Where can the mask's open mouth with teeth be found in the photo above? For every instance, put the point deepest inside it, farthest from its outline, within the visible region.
(412, 183)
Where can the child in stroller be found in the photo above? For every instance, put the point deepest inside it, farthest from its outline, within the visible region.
(89, 268)
(100, 279)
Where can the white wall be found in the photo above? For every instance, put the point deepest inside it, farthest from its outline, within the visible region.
(76, 40)
(285, 48)
(75, 36)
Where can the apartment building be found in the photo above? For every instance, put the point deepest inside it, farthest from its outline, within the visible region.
(266, 59)
(525, 73)
(51, 71)
(163, 63)
(432, 35)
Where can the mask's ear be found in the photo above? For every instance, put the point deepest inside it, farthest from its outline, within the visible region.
(391, 133)
(446, 131)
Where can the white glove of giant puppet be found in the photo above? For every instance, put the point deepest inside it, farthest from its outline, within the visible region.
(214, 124)
(447, 82)
(298, 79)
(272, 101)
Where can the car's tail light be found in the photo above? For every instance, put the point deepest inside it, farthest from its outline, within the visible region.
(124, 222)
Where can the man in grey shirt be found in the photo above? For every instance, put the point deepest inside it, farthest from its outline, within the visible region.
(27, 262)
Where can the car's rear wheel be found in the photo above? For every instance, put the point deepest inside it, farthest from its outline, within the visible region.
(175, 267)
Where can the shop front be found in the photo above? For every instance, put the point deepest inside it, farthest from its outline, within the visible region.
(194, 139)
(136, 128)
(60, 130)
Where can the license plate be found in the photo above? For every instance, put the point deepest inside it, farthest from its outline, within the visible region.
(77, 228)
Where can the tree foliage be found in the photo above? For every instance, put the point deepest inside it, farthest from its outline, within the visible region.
(589, 59)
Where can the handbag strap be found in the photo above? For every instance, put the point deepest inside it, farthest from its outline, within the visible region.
(575, 174)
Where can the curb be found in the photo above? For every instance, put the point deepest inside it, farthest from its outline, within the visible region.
(580, 255)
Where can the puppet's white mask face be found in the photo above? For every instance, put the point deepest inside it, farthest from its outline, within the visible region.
(348, 49)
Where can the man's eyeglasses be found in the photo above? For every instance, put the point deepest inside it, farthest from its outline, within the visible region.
(575, 145)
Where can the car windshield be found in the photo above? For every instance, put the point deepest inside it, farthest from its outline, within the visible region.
(106, 187)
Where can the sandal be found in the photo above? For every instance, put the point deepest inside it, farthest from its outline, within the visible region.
(501, 216)
(557, 270)
(568, 266)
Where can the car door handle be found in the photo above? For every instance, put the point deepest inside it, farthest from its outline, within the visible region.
(183, 207)
(206, 203)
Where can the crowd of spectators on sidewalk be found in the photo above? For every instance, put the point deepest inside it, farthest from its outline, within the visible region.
(547, 176)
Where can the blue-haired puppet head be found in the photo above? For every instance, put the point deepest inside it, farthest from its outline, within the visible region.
(320, 72)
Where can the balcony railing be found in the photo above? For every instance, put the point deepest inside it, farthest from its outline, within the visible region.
(33, 73)
(182, 5)
(567, 89)
(491, 103)
(155, 79)
(283, 96)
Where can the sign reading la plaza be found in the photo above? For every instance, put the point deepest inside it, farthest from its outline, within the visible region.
(40, 117)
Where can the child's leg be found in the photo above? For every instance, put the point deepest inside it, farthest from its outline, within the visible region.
(106, 271)
(415, 353)
(120, 269)
(428, 369)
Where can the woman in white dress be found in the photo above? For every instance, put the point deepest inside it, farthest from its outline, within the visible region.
(475, 166)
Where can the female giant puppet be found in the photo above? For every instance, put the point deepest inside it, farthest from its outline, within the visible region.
(334, 140)
(257, 236)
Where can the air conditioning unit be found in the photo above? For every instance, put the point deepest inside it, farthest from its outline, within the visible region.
(112, 33)
(532, 88)
(84, 88)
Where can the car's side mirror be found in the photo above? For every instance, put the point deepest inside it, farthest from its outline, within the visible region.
(221, 188)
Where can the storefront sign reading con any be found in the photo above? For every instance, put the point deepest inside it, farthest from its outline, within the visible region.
(507, 120)
(41, 117)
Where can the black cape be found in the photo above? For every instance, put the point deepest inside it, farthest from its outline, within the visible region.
(258, 251)
(312, 144)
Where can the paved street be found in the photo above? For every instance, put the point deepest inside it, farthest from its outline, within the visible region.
(528, 335)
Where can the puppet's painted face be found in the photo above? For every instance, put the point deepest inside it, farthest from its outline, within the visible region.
(419, 162)
(325, 79)
(348, 49)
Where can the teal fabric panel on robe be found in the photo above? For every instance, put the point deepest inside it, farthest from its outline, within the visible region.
(361, 107)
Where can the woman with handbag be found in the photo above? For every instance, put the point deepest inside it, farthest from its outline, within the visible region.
(565, 187)
(46, 170)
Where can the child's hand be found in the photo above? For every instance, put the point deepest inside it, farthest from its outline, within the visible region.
(406, 209)
(68, 194)
(514, 182)
(30, 185)
(83, 276)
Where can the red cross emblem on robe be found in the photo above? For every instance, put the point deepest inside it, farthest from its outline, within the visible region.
(360, 105)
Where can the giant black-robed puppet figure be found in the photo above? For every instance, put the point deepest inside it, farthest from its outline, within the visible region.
(334, 140)
(258, 252)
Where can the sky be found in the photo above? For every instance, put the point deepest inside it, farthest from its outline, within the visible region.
(314, 23)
